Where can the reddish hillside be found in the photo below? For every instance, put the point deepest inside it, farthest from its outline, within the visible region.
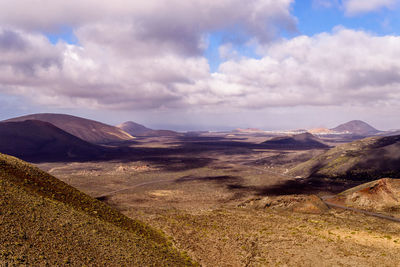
(88, 130)
(381, 195)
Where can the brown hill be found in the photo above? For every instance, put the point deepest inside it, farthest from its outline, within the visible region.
(295, 142)
(45, 222)
(88, 130)
(136, 129)
(42, 141)
(366, 159)
(381, 195)
(356, 127)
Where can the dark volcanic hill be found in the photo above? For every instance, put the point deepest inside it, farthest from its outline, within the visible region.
(367, 159)
(45, 222)
(42, 141)
(136, 129)
(295, 142)
(88, 130)
(356, 127)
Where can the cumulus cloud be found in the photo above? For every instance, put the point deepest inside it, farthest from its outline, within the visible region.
(343, 67)
(355, 7)
(95, 75)
(24, 58)
(131, 54)
(150, 57)
(174, 20)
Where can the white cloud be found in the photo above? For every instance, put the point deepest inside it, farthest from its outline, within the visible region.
(24, 57)
(345, 67)
(355, 7)
(136, 62)
(175, 20)
(131, 54)
(95, 75)
(227, 51)
(325, 3)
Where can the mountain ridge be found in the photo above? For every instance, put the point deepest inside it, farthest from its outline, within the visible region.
(85, 129)
(35, 140)
(137, 129)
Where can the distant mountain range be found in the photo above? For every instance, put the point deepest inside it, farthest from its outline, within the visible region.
(60, 137)
(136, 129)
(46, 136)
(88, 130)
(355, 128)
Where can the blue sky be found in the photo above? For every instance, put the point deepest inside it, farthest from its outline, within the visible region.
(62, 34)
(311, 19)
(314, 19)
(160, 64)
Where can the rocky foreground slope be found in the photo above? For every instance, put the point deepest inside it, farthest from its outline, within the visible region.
(44, 221)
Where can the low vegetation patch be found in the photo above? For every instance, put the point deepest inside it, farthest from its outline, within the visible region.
(44, 220)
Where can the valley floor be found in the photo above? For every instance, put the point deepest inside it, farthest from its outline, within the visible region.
(197, 199)
(248, 237)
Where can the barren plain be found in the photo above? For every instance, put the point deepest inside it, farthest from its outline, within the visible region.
(228, 201)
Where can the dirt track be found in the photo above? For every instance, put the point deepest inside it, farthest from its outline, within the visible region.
(378, 215)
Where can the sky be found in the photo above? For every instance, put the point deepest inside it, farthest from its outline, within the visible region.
(203, 64)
